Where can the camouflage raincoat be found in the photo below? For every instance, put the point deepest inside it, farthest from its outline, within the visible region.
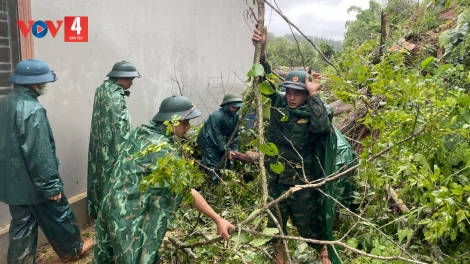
(131, 224)
(110, 126)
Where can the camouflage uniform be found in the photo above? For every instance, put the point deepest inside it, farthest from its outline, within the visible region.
(110, 128)
(131, 224)
(306, 128)
(306, 141)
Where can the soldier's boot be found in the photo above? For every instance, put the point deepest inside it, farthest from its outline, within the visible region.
(280, 253)
(323, 255)
(87, 246)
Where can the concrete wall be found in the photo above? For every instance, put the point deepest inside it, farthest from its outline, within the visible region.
(203, 44)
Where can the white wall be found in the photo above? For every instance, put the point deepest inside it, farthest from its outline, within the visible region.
(205, 44)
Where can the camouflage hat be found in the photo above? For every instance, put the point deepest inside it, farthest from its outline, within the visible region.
(32, 71)
(296, 80)
(123, 69)
(176, 105)
(233, 100)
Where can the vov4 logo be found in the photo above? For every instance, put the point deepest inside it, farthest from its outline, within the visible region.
(75, 28)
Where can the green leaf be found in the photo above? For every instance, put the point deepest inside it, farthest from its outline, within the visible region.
(453, 120)
(243, 237)
(352, 242)
(277, 168)
(266, 112)
(453, 234)
(254, 212)
(269, 149)
(401, 235)
(424, 221)
(256, 70)
(270, 231)
(443, 68)
(254, 142)
(259, 241)
(458, 190)
(265, 88)
(443, 38)
(463, 17)
(427, 62)
(271, 77)
(257, 219)
(461, 215)
(284, 118)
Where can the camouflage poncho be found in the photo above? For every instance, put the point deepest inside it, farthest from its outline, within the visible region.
(110, 126)
(131, 224)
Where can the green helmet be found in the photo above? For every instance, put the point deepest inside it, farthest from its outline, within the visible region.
(296, 80)
(123, 69)
(176, 105)
(32, 71)
(233, 99)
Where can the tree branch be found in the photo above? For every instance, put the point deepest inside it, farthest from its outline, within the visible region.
(337, 243)
(259, 98)
(309, 40)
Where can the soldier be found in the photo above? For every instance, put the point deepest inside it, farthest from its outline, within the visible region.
(131, 224)
(110, 127)
(300, 126)
(29, 173)
(216, 132)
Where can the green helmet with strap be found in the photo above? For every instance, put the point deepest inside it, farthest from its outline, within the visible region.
(176, 105)
(233, 100)
(123, 69)
(296, 80)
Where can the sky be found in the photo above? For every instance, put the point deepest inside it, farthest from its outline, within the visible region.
(320, 18)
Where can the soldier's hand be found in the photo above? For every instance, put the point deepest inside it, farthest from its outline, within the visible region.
(257, 37)
(232, 154)
(314, 86)
(223, 227)
(56, 197)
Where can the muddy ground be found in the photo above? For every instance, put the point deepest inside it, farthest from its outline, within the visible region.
(46, 254)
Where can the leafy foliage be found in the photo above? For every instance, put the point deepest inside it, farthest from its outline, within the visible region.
(365, 27)
(456, 41)
(424, 121)
(176, 170)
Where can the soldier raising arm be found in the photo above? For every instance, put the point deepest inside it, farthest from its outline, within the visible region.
(301, 129)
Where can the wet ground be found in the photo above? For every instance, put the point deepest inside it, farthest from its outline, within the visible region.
(47, 255)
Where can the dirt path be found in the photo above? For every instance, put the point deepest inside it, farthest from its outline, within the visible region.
(47, 255)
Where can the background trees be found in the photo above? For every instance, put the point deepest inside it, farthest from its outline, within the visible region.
(290, 51)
